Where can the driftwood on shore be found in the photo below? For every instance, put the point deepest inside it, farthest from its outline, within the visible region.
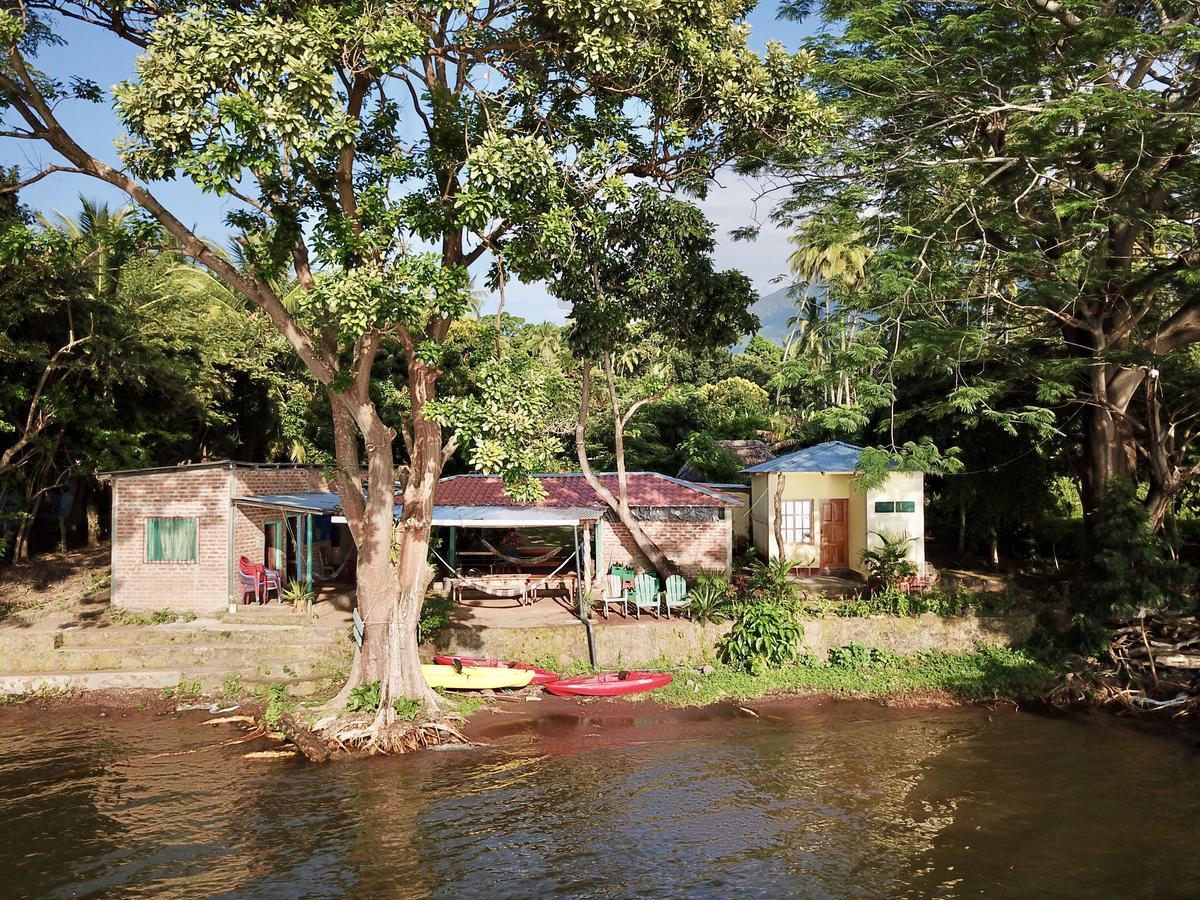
(1152, 664)
(305, 740)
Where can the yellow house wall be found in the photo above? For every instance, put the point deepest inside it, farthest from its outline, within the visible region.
(760, 514)
(816, 487)
(858, 528)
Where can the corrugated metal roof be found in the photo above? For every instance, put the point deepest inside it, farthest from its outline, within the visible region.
(513, 517)
(646, 489)
(323, 502)
(831, 456)
(206, 464)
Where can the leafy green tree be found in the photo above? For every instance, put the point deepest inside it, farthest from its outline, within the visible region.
(640, 277)
(1028, 176)
(354, 134)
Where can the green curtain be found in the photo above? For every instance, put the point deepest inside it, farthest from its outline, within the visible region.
(171, 540)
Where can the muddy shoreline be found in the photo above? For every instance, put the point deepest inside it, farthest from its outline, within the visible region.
(518, 719)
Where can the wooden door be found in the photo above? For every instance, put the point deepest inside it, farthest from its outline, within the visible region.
(835, 535)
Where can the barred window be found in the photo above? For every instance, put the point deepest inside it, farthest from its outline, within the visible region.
(797, 521)
(171, 539)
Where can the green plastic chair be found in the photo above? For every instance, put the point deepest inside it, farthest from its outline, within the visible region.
(676, 597)
(625, 572)
(643, 595)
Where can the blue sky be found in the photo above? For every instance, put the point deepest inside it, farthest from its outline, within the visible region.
(93, 54)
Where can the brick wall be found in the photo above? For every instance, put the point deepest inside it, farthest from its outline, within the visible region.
(202, 585)
(248, 482)
(693, 546)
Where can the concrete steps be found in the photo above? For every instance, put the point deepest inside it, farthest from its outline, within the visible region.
(163, 656)
(186, 682)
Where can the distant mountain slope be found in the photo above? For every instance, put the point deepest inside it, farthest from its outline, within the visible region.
(774, 310)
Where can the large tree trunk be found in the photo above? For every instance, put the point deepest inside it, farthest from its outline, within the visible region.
(619, 504)
(1108, 442)
(403, 676)
(389, 594)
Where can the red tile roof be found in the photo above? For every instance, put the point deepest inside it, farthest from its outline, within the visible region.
(645, 489)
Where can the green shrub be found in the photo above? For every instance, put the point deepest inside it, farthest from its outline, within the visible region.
(709, 603)
(406, 708)
(860, 656)
(363, 698)
(1131, 567)
(298, 593)
(279, 704)
(435, 615)
(763, 636)
(887, 563)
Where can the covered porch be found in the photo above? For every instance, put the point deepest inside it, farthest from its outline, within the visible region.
(498, 559)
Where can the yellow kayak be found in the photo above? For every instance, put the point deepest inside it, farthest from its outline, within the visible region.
(476, 678)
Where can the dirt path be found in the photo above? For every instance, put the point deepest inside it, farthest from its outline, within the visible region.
(74, 583)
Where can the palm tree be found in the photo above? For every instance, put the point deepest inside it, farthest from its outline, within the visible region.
(98, 232)
(821, 258)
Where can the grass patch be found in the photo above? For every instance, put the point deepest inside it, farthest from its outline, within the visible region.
(231, 686)
(987, 674)
(118, 615)
(465, 704)
(183, 690)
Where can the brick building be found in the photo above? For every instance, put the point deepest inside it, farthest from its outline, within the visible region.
(177, 532)
(691, 523)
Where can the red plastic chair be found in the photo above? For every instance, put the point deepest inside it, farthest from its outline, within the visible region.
(271, 581)
(252, 581)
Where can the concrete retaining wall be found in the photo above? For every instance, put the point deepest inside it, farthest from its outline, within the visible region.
(629, 643)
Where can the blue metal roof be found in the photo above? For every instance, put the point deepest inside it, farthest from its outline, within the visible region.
(831, 456)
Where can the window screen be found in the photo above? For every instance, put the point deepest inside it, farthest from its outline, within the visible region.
(170, 540)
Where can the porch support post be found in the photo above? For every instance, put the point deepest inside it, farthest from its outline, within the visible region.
(578, 571)
(587, 557)
(452, 549)
(600, 567)
(308, 546)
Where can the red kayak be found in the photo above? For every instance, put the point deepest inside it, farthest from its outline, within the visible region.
(609, 684)
(540, 675)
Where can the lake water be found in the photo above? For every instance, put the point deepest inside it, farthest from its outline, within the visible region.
(838, 799)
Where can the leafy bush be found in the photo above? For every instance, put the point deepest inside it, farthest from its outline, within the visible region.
(406, 708)
(1131, 568)
(279, 704)
(764, 636)
(364, 698)
(708, 603)
(298, 593)
(435, 615)
(887, 563)
(860, 656)
(712, 598)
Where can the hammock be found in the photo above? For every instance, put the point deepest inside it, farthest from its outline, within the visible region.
(522, 560)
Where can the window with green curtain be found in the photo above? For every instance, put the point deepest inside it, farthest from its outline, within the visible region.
(171, 539)
(885, 506)
(906, 506)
